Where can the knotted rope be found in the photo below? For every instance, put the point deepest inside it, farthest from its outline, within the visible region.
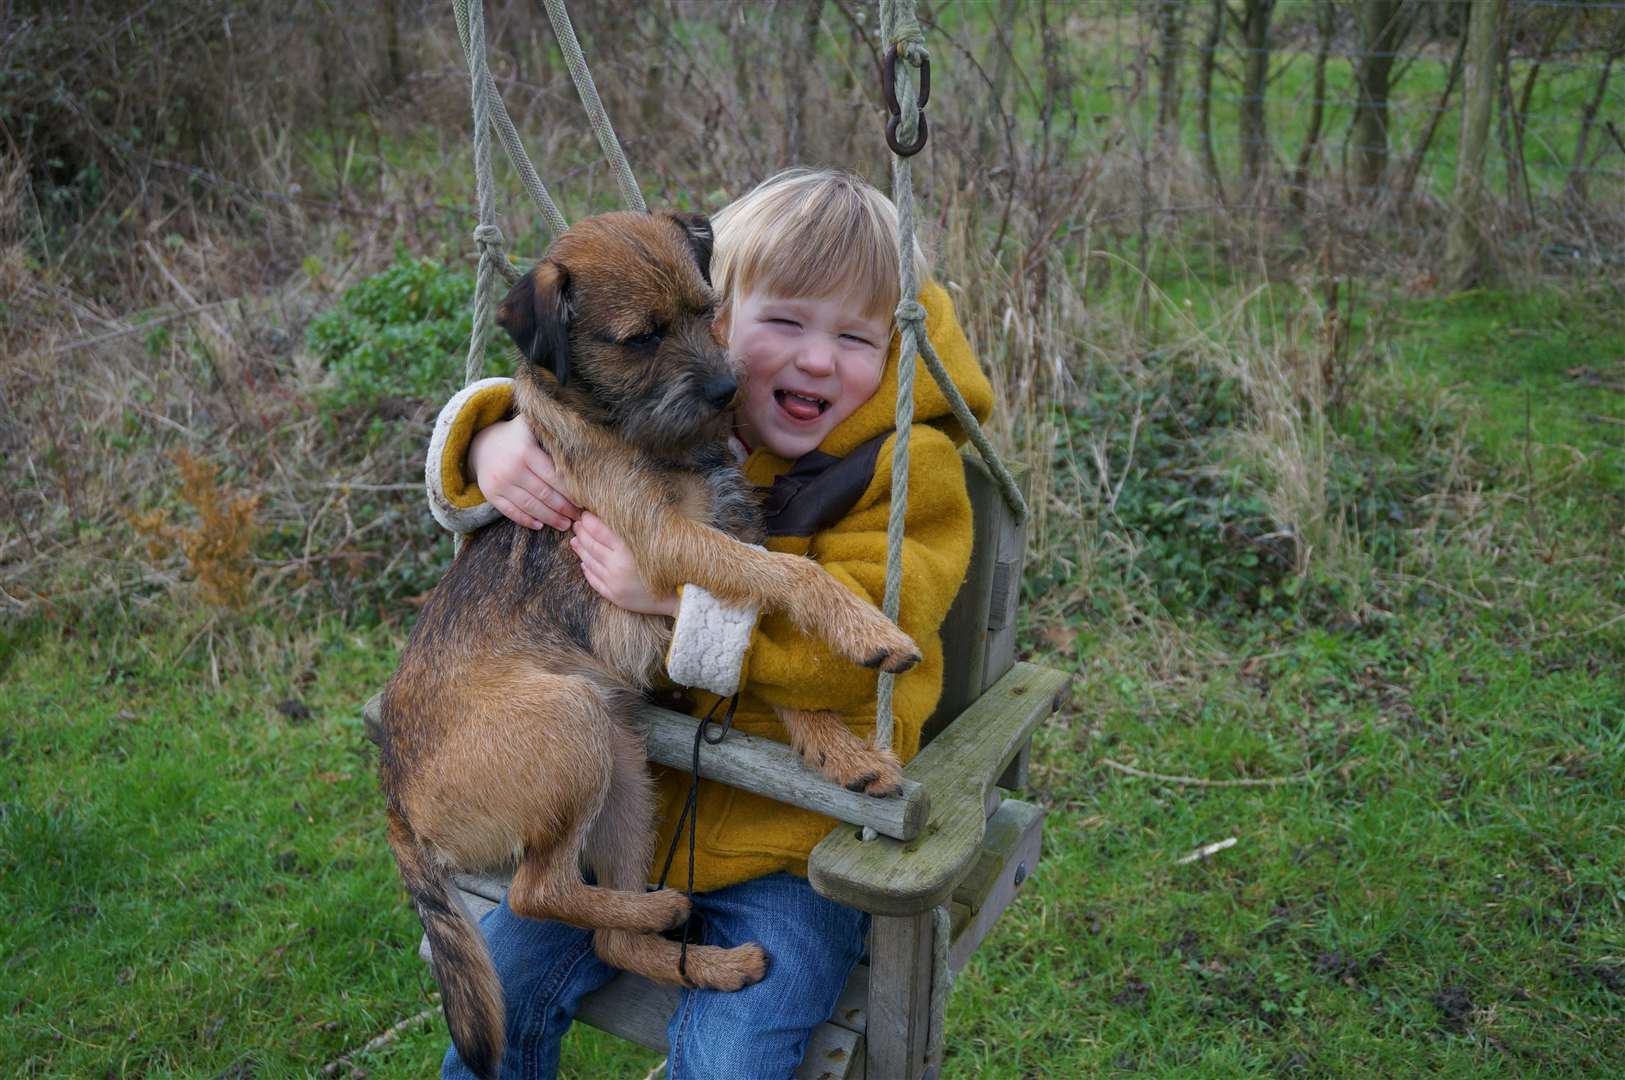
(902, 31)
(487, 237)
(480, 73)
(490, 112)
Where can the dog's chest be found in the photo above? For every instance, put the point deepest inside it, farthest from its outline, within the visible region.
(716, 492)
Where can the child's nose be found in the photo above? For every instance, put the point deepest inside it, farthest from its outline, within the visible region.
(817, 357)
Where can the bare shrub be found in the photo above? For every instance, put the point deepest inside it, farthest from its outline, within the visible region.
(216, 548)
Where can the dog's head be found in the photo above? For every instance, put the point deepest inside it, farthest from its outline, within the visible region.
(622, 314)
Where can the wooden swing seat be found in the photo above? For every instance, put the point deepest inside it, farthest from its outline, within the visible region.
(952, 837)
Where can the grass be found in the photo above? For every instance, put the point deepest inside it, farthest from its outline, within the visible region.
(197, 884)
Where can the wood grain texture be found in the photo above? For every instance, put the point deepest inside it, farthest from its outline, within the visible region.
(964, 630)
(1010, 851)
(888, 877)
(773, 769)
(899, 995)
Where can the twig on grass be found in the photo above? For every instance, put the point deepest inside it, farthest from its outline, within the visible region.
(1196, 781)
(1440, 586)
(99, 339)
(655, 1073)
(1588, 631)
(334, 1067)
(1206, 850)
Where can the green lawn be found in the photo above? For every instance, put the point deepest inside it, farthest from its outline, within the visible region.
(196, 881)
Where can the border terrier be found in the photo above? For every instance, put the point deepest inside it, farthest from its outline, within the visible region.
(507, 731)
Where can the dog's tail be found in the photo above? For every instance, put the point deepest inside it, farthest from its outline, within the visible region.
(470, 994)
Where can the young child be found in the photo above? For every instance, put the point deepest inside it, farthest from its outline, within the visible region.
(806, 267)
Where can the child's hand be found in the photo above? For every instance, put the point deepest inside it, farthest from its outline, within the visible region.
(517, 476)
(613, 572)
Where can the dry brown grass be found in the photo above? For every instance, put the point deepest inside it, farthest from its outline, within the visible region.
(160, 311)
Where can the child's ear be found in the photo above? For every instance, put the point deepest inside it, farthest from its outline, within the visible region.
(697, 228)
(536, 314)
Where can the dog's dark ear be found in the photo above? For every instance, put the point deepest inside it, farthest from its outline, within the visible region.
(697, 227)
(536, 314)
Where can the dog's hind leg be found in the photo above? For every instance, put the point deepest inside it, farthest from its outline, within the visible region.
(612, 824)
(709, 967)
(621, 845)
(619, 849)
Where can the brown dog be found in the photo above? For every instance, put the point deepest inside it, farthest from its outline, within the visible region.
(506, 732)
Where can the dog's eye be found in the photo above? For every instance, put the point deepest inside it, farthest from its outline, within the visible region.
(644, 341)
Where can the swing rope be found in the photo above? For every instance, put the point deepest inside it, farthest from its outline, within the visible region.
(587, 90)
(906, 134)
(487, 237)
(480, 73)
(902, 28)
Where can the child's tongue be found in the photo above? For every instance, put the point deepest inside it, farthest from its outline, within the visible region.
(798, 407)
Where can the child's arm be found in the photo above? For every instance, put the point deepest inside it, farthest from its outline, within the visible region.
(719, 647)
(517, 476)
(481, 465)
(612, 570)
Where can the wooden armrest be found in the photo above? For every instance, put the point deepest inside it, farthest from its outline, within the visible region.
(891, 877)
(764, 767)
(774, 769)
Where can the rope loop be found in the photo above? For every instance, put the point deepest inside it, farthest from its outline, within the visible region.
(487, 236)
(910, 312)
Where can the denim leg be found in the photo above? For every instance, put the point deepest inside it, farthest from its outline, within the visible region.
(761, 1032)
(545, 968)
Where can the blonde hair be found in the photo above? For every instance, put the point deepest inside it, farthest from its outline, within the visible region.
(811, 232)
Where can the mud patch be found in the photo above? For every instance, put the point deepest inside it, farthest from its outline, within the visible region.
(1611, 977)
(1132, 996)
(1350, 971)
(1457, 1007)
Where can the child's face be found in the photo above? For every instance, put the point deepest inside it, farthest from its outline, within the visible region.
(809, 363)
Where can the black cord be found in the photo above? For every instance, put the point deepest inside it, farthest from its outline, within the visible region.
(691, 817)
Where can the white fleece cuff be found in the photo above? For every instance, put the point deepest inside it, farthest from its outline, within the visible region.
(459, 519)
(709, 642)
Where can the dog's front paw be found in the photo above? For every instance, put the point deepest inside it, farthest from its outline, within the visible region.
(738, 967)
(859, 767)
(894, 661)
(666, 909)
(888, 648)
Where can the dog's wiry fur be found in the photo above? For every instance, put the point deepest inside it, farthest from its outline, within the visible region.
(506, 729)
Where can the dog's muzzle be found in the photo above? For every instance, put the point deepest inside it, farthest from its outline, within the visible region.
(720, 391)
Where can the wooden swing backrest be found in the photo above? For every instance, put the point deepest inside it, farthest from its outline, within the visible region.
(979, 634)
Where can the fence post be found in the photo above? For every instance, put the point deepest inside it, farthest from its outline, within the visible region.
(1469, 256)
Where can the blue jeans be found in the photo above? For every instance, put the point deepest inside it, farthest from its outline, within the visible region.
(757, 1033)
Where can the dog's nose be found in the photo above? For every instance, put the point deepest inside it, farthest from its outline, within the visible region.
(720, 390)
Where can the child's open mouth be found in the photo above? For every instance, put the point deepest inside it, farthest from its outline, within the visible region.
(800, 406)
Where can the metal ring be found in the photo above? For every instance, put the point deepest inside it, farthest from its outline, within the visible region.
(888, 82)
(919, 137)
